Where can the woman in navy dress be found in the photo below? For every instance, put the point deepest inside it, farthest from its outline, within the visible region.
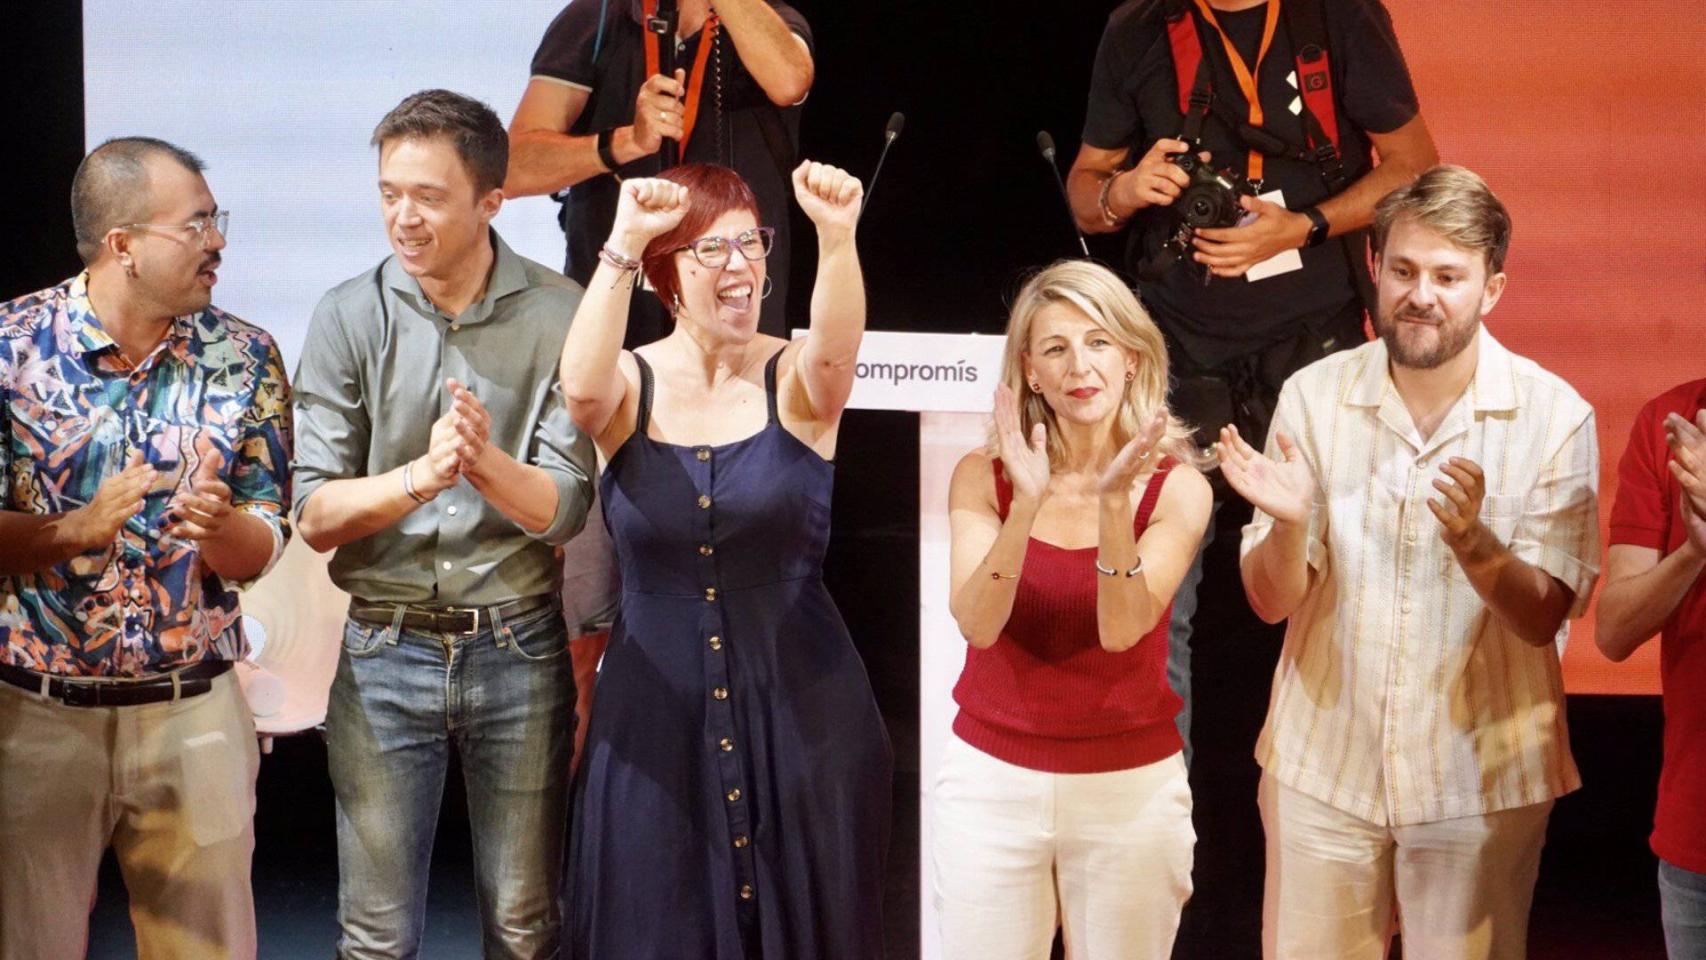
(733, 797)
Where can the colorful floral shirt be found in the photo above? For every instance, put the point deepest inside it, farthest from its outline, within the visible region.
(72, 410)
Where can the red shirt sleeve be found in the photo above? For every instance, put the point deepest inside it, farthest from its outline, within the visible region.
(1642, 514)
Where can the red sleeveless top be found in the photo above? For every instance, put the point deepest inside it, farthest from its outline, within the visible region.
(1045, 695)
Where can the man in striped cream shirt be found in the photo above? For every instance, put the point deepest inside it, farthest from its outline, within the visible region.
(1427, 520)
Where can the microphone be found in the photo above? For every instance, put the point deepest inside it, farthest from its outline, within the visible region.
(665, 24)
(1045, 143)
(891, 133)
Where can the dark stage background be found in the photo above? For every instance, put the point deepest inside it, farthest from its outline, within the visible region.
(963, 208)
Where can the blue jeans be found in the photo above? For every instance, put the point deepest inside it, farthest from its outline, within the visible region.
(1179, 634)
(1682, 904)
(505, 698)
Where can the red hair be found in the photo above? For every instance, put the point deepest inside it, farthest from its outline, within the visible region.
(712, 191)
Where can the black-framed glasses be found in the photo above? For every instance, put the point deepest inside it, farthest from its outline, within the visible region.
(200, 227)
(714, 252)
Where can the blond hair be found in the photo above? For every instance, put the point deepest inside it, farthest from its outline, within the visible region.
(1100, 295)
(1455, 203)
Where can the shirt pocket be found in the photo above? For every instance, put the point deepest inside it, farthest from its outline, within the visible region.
(1500, 513)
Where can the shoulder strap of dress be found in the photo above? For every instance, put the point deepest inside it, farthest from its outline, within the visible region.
(770, 383)
(643, 417)
(1152, 492)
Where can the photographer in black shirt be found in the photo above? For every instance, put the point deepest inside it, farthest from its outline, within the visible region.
(1237, 320)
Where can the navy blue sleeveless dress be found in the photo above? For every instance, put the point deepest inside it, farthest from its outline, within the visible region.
(733, 796)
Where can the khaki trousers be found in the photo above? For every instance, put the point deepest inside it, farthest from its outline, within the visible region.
(1461, 888)
(169, 786)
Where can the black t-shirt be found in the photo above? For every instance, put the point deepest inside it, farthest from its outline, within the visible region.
(1134, 101)
(732, 136)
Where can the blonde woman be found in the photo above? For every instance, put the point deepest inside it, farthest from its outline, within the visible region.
(1062, 796)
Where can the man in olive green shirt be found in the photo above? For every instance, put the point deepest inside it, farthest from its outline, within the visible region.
(436, 456)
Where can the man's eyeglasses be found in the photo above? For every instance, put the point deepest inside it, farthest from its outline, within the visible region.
(714, 252)
(199, 226)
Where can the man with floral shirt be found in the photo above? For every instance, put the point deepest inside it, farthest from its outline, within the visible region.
(144, 449)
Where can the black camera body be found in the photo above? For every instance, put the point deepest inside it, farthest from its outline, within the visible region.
(1213, 199)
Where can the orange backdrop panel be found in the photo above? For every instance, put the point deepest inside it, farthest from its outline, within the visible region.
(1589, 120)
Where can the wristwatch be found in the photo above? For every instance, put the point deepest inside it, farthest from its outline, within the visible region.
(1317, 227)
(604, 155)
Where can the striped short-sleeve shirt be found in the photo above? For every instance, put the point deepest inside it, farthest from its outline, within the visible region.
(1399, 698)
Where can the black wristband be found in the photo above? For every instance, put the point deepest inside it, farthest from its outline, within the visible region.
(604, 155)
(1317, 227)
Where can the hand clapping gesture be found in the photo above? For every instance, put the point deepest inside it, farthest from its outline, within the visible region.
(118, 498)
(1283, 489)
(1687, 441)
(1459, 512)
(1026, 463)
(830, 196)
(204, 511)
(1133, 458)
(470, 421)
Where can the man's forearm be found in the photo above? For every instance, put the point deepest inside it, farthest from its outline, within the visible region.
(770, 51)
(344, 511)
(1525, 598)
(1276, 571)
(1632, 609)
(30, 542)
(522, 492)
(545, 161)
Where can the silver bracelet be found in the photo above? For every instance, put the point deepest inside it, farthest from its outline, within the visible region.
(409, 484)
(1111, 572)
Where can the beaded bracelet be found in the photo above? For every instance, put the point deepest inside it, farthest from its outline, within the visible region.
(621, 261)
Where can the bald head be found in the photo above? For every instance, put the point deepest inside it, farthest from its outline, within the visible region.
(112, 187)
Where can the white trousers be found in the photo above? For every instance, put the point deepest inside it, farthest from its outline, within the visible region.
(1016, 852)
(1461, 888)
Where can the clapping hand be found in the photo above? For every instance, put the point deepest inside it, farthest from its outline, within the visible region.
(1134, 457)
(204, 511)
(1026, 463)
(1687, 442)
(1283, 489)
(468, 417)
(116, 500)
(1459, 511)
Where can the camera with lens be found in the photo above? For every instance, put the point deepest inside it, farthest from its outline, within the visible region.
(1213, 199)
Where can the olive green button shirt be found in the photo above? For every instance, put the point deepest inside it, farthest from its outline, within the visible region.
(368, 389)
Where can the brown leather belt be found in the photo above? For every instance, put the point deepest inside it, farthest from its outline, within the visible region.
(431, 619)
(118, 692)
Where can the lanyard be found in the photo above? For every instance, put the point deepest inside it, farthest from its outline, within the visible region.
(695, 77)
(1247, 75)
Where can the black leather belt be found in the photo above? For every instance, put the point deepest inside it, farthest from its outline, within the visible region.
(431, 619)
(191, 681)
